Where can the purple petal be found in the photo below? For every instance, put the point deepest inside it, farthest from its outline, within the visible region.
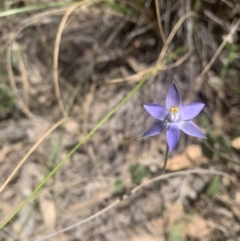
(155, 129)
(173, 97)
(190, 110)
(191, 129)
(156, 110)
(173, 134)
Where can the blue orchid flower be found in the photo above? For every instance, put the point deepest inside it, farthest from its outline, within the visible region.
(174, 117)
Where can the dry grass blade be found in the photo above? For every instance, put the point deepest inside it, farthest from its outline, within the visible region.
(15, 11)
(31, 151)
(182, 173)
(173, 32)
(115, 203)
(103, 175)
(22, 105)
(24, 77)
(160, 23)
(82, 222)
(227, 39)
(32, 20)
(56, 52)
(220, 48)
(139, 75)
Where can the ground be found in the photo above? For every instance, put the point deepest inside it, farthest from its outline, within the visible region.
(64, 66)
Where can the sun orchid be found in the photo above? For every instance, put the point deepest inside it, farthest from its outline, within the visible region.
(174, 117)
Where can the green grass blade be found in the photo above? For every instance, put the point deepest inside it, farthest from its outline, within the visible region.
(52, 160)
(59, 165)
(34, 8)
(96, 127)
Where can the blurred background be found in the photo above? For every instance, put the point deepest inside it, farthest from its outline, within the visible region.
(80, 59)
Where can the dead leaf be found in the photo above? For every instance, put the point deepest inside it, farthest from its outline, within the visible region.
(5, 208)
(192, 156)
(193, 152)
(3, 152)
(174, 213)
(6, 149)
(48, 209)
(226, 182)
(99, 197)
(196, 224)
(236, 143)
(72, 127)
(236, 211)
(237, 196)
(144, 237)
(135, 64)
(158, 224)
(14, 199)
(178, 162)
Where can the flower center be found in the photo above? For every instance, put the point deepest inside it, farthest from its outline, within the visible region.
(174, 114)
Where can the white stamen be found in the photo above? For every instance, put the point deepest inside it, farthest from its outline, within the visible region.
(174, 114)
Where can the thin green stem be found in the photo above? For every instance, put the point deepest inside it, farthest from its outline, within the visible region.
(165, 160)
(25, 222)
(160, 183)
(59, 165)
(55, 151)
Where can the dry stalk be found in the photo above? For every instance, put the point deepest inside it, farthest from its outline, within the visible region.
(24, 76)
(41, 139)
(32, 20)
(147, 183)
(139, 75)
(220, 48)
(21, 104)
(56, 51)
(173, 33)
(160, 24)
(136, 77)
